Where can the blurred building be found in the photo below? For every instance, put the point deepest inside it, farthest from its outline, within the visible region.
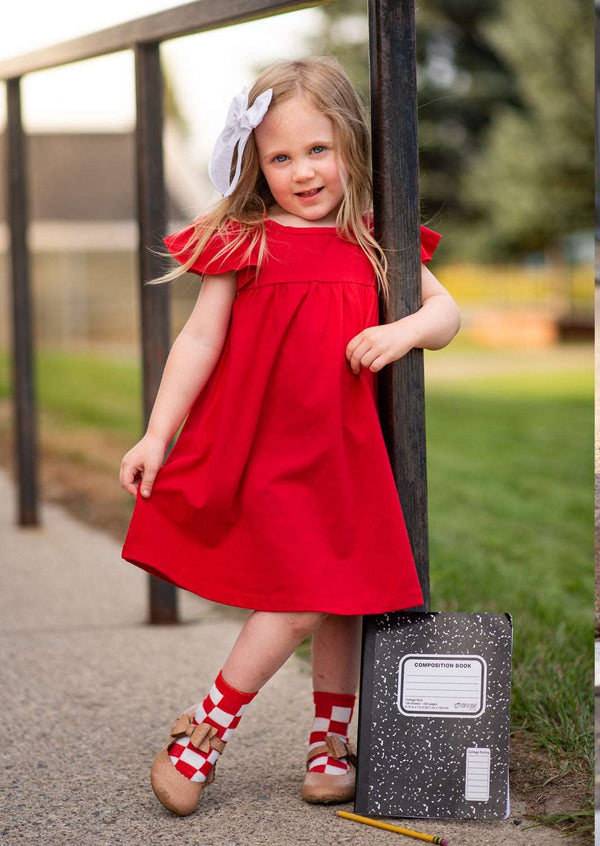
(83, 233)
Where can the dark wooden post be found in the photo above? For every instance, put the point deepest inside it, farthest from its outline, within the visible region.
(155, 300)
(396, 207)
(25, 425)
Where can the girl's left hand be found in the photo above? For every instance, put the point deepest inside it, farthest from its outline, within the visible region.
(377, 346)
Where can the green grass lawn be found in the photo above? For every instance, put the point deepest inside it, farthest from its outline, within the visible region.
(511, 529)
(510, 514)
(86, 390)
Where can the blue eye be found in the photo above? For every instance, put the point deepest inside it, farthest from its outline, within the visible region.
(319, 147)
(279, 157)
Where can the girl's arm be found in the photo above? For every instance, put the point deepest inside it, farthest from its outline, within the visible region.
(437, 321)
(431, 327)
(191, 360)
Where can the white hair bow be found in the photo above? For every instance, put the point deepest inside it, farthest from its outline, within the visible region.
(240, 122)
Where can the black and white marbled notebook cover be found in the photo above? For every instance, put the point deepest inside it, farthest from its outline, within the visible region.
(433, 732)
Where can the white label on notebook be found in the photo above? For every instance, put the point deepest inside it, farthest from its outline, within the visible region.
(477, 775)
(442, 685)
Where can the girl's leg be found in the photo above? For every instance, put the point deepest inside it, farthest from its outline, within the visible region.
(336, 654)
(336, 667)
(266, 641)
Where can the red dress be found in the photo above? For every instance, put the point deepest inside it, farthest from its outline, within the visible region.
(278, 494)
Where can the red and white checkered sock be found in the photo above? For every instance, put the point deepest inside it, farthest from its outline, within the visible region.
(223, 709)
(333, 713)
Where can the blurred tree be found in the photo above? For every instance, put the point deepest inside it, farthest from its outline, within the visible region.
(533, 180)
(460, 81)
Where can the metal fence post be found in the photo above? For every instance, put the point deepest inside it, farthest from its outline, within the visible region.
(25, 424)
(396, 207)
(155, 300)
(401, 388)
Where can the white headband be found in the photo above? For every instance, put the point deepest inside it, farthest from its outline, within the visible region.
(240, 122)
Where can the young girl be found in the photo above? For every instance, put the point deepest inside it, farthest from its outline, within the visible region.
(278, 495)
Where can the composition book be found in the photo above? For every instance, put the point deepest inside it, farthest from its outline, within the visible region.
(433, 731)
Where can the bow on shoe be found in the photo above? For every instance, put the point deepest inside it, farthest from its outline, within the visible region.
(335, 747)
(200, 735)
(338, 748)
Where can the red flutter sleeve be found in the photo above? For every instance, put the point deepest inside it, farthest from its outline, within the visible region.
(207, 262)
(429, 241)
(429, 238)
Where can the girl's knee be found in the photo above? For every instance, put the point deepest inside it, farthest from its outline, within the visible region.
(303, 623)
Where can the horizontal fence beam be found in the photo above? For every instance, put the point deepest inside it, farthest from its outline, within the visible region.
(199, 16)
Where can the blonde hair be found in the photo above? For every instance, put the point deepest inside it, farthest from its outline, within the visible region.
(322, 81)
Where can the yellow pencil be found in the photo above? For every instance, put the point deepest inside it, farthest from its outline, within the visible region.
(430, 838)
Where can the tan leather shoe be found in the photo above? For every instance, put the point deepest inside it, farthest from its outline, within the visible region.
(172, 789)
(325, 788)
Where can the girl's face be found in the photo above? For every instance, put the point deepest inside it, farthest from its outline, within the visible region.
(297, 154)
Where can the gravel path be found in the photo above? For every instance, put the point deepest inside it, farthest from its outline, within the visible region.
(89, 692)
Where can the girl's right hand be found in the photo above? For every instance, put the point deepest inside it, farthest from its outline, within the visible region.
(141, 465)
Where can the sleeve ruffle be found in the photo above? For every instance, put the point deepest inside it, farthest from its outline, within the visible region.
(429, 238)
(429, 242)
(207, 262)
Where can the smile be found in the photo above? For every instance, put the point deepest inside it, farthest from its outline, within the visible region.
(313, 192)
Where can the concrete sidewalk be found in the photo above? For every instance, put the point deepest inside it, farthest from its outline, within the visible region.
(90, 691)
